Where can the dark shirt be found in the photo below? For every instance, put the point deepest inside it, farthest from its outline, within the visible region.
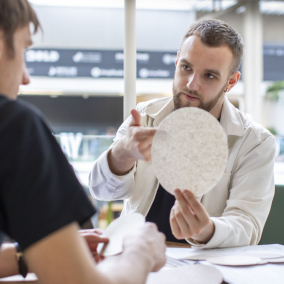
(39, 192)
(160, 213)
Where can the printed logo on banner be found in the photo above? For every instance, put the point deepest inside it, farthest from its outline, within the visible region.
(97, 72)
(87, 57)
(63, 71)
(140, 57)
(273, 50)
(146, 73)
(42, 56)
(97, 63)
(169, 59)
(70, 143)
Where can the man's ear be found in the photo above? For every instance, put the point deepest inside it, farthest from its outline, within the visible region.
(178, 53)
(233, 80)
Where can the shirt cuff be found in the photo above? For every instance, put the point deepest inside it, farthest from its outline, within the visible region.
(114, 180)
(220, 233)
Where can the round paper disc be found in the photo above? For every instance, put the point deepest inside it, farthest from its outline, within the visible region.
(193, 274)
(118, 229)
(189, 151)
(237, 260)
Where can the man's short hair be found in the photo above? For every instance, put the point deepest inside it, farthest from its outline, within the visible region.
(214, 33)
(15, 14)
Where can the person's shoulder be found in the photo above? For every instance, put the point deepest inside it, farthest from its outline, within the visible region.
(254, 129)
(11, 110)
(155, 103)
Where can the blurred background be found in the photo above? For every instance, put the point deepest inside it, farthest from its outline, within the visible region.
(76, 68)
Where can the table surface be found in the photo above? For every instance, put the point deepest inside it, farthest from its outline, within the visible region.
(102, 266)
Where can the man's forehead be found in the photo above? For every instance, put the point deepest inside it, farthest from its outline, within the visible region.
(195, 51)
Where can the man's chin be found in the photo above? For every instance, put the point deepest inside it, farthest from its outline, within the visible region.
(188, 104)
(181, 102)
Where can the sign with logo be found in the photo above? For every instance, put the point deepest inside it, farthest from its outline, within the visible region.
(97, 63)
(109, 63)
(273, 62)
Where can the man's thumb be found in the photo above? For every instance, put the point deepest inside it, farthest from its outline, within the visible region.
(136, 118)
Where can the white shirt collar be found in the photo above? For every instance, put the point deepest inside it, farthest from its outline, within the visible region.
(230, 117)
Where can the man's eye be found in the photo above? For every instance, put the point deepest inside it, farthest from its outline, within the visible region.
(185, 67)
(210, 76)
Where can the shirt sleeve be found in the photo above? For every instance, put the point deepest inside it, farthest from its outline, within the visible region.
(39, 190)
(103, 184)
(251, 195)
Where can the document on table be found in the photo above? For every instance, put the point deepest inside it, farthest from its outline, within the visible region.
(256, 274)
(261, 251)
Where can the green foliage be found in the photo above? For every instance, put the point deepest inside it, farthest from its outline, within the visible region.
(109, 216)
(272, 91)
(272, 130)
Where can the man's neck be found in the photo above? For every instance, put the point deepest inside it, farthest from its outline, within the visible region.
(217, 109)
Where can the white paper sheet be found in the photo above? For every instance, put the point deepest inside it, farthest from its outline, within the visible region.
(258, 274)
(118, 230)
(261, 251)
(197, 274)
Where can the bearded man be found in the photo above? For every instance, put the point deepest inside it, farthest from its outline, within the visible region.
(234, 212)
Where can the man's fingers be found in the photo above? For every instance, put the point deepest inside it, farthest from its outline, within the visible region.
(186, 211)
(174, 226)
(94, 239)
(182, 223)
(198, 209)
(144, 133)
(91, 231)
(147, 154)
(136, 118)
(98, 231)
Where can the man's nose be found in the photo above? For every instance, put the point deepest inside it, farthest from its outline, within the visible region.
(26, 77)
(193, 82)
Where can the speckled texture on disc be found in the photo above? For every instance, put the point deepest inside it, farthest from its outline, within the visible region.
(189, 151)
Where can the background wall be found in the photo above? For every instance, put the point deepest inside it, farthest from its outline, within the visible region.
(68, 27)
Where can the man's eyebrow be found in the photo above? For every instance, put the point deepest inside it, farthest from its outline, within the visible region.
(185, 62)
(213, 71)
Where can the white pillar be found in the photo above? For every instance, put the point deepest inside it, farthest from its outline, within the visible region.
(129, 101)
(252, 67)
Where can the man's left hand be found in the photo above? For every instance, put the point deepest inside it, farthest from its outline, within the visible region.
(189, 218)
(93, 237)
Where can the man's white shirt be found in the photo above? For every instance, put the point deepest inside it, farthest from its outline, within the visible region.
(238, 205)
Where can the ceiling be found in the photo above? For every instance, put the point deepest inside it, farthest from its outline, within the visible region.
(266, 7)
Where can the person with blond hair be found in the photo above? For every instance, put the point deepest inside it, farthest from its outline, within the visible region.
(42, 203)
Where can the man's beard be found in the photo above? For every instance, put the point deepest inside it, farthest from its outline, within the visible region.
(208, 106)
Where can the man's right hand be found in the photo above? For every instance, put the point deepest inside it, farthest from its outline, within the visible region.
(148, 244)
(136, 144)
